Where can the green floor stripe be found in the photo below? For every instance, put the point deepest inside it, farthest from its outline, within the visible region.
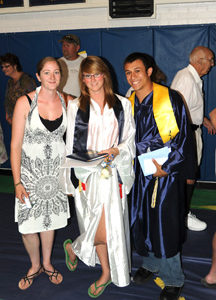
(6, 184)
(202, 198)
(211, 207)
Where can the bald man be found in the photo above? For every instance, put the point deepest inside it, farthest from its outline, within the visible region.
(189, 83)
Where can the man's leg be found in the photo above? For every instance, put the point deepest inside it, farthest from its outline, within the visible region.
(150, 265)
(172, 275)
(192, 222)
(210, 278)
(171, 271)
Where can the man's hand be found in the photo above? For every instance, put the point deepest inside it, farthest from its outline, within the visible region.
(160, 172)
(190, 181)
(212, 116)
(208, 124)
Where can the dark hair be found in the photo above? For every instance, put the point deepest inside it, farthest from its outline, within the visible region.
(148, 61)
(44, 60)
(11, 59)
(92, 65)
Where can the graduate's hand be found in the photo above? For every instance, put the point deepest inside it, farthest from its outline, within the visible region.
(160, 172)
(190, 181)
(112, 153)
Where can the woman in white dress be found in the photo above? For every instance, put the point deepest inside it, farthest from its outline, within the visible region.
(100, 121)
(37, 150)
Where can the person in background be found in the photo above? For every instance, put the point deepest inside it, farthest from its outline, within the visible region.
(18, 84)
(189, 83)
(209, 281)
(157, 206)
(37, 151)
(3, 153)
(100, 121)
(70, 64)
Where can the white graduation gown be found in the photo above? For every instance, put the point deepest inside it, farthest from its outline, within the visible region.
(102, 134)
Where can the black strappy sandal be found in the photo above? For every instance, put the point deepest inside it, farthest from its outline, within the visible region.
(30, 279)
(54, 274)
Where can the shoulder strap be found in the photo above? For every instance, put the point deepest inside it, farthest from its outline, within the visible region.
(29, 99)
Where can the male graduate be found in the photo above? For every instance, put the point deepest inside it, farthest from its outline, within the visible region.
(158, 211)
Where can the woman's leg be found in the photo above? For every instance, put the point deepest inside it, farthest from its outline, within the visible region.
(47, 238)
(32, 246)
(72, 256)
(211, 276)
(102, 252)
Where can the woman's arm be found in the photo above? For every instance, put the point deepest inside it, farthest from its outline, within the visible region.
(8, 118)
(18, 126)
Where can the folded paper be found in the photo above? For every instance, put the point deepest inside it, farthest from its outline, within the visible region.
(146, 163)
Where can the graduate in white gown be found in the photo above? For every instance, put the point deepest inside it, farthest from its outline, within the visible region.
(100, 121)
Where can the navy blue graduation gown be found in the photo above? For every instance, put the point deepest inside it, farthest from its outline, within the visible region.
(161, 229)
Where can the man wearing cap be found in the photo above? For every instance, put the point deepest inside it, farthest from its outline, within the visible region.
(70, 64)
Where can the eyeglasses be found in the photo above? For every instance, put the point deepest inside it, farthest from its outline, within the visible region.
(89, 76)
(211, 60)
(5, 66)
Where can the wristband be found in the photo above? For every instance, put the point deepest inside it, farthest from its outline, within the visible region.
(17, 183)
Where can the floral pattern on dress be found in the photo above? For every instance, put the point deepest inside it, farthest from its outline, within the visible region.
(41, 181)
(41, 136)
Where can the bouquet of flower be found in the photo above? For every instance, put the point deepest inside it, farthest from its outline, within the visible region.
(106, 167)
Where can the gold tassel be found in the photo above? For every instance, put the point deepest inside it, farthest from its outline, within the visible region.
(80, 186)
(154, 194)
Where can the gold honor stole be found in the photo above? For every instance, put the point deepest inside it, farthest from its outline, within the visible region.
(163, 112)
(164, 117)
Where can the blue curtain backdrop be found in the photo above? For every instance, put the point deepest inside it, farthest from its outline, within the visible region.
(170, 46)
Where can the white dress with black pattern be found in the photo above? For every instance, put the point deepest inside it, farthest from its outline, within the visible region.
(42, 155)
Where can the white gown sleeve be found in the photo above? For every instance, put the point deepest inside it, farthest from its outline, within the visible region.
(124, 161)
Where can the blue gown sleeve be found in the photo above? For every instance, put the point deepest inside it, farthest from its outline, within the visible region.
(182, 158)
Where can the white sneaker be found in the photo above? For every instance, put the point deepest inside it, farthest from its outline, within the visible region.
(193, 223)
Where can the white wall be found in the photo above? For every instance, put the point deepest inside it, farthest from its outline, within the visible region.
(167, 12)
